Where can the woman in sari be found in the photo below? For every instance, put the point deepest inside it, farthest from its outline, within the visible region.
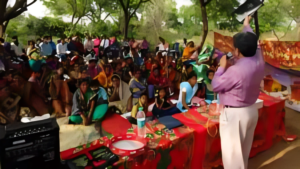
(142, 102)
(97, 42)
(35, 61)
(83, 104)
(187, 91)
(108, 73)
(61, 96)
(162, 65)
(155, 81)
(174, 78)
(119, 94)
(74, 76)
(135, 86)
(207, 87)
(101, 76)
(188, 52)
(93, 70)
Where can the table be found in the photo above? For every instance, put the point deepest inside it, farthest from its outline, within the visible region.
(165, 148)
(191, 145)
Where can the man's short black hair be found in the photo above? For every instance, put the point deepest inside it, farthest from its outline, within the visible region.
(144, 94)
(246, 42)
(14, 37)
(137, 70)
(45, 37)
(1, 40)
(87, 80)
(191, 75)
(188, 66)
(209, 71)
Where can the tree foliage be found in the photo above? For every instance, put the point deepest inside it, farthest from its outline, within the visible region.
(146, 18)
(9, 12)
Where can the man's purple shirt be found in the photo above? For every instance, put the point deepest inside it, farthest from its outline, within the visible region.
(239, 85)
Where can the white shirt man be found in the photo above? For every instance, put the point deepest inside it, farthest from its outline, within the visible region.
(61, 48)
(17, 49)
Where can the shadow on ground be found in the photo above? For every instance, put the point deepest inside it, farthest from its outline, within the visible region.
(282, 155)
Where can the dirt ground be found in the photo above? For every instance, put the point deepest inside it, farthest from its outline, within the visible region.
(282, 155)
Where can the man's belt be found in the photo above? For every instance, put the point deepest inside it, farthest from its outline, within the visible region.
(226, 106)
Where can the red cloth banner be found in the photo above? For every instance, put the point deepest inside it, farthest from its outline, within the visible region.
(284, 55)
(223, 43)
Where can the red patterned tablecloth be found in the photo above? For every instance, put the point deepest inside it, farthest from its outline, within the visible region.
(190, 146)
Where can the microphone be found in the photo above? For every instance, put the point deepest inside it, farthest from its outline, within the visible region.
(229, 56)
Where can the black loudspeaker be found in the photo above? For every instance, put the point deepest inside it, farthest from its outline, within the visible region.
(32, 145)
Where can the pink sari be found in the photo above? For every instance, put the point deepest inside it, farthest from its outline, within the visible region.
(96, 46)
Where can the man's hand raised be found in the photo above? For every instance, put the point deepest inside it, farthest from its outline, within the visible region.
(247, 20)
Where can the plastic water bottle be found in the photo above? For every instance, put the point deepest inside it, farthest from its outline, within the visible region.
(141, 119)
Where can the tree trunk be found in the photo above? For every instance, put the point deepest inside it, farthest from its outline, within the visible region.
(127, 19)
(1, 30)
(205, 24)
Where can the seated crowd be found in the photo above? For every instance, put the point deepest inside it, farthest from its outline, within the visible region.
(82, 80)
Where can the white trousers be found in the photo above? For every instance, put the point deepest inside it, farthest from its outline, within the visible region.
(237, 126)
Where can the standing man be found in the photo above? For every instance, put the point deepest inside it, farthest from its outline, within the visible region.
(46, 48)
(238, 88)
(53, 46)
(62, 48)
(17, 48)
(89, 45)
(145, 46)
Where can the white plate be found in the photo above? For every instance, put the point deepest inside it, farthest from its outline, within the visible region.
(128, 145)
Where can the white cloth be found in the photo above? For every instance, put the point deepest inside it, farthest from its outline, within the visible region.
(104, 43)
(124, 94)
(61, 48)
(28, 51)
(17, 49)
(237, 126)
(89, 45)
